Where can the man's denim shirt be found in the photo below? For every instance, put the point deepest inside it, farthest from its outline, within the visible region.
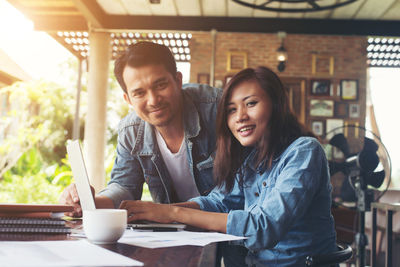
(139, 160)
(284, 211)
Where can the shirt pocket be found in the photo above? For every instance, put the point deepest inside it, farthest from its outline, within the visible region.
(266, 188)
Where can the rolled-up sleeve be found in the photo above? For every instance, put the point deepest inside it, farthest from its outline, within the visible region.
(116, 193)
(297, 179)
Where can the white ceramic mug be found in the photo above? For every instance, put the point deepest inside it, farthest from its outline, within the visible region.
(104, 226)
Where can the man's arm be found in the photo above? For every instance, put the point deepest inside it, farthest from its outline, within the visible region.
(189, 204)
(70, 197)
(103, 202)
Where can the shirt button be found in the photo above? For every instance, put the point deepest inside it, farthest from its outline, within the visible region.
(256, 194)
(264, 184)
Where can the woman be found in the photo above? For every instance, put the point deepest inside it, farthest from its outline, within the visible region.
(273, 183)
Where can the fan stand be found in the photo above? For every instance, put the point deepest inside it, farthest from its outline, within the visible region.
(364, 199)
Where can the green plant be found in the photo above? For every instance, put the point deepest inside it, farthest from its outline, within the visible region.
(28, 181)
(33, 163)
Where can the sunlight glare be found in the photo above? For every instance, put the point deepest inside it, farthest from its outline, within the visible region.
(385, 93)
(35, 52)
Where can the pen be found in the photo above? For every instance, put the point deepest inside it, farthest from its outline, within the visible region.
(164, 229)
(153, 229)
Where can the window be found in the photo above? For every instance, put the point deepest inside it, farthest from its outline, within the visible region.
(383, 52)
(385, 95)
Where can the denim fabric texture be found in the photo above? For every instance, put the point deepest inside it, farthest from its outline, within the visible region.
(284, 211)
(139, 160)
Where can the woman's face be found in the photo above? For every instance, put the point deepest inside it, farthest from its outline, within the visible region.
(248, 112)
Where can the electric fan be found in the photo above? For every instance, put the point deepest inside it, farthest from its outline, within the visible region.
(363, 158)
(365, 163)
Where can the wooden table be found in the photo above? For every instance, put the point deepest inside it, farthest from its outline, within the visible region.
(191, 256)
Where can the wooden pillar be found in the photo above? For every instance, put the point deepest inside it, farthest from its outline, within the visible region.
(95, 126)
(212, 66)
(76, 126)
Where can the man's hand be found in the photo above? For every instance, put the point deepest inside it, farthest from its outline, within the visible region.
(143, 210)
(70, 197)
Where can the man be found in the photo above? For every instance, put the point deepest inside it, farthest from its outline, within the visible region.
(168, 140)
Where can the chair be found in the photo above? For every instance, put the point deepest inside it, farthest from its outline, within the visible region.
(344, 253)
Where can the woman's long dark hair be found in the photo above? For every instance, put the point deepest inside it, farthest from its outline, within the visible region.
(284, 127)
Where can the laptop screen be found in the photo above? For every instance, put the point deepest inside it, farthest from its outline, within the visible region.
(79, 172)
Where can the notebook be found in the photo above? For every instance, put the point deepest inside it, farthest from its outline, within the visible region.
(32, 208)
(17, 225)
(34, 229)
(81, 177)
(33, 219)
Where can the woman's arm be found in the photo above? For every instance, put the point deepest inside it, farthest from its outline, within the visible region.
(187, 213)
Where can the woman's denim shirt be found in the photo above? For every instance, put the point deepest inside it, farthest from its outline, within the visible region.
(284, 211)
(139, 160)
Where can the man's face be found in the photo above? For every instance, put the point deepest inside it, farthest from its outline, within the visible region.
(155, 94)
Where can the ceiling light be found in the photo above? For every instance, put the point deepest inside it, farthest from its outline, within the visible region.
(281, 55)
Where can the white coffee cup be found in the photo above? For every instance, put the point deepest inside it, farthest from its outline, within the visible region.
(104, 226)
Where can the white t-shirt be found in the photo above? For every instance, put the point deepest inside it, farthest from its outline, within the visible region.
(178, 168)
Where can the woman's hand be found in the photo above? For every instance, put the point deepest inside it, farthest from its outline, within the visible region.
(143, 210)
(187, 213)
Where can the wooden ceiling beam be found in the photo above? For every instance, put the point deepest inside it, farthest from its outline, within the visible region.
(59, 23)
(92, 12)
(7, 79)
(94, 15)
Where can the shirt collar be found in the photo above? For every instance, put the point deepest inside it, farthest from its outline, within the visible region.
(251, 160)
(191, 119)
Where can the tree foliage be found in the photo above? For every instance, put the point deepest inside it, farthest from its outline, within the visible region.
(36, 127)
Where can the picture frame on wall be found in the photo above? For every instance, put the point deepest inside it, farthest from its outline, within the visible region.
(322, 65)
(320, 87)
(321, 108)
(333, 124)
(297, 91)
(236, 61)
(354, 111)
(349, 89)
(317, 127)
(341, 110)
(203, 78)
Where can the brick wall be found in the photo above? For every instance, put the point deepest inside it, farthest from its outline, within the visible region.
(348, 52)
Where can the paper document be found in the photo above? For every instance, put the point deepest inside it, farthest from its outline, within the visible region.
(59, 253)
(150, 239)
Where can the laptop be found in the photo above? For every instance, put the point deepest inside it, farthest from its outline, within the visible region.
(81, 177)
(78, 167)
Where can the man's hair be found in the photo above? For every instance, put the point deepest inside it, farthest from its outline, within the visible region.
(283, 126)
(142, 54)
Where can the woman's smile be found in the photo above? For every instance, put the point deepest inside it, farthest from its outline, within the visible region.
(249, 110)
